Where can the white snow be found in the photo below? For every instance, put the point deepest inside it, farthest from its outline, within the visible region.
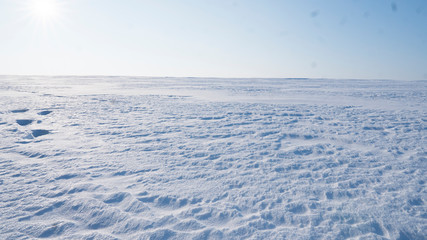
(197, 158)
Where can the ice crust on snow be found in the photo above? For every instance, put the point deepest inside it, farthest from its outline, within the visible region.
(197, 158)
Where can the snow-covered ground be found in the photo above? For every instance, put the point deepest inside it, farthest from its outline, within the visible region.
(192, 158)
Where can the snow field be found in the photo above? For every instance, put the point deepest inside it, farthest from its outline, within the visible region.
(106, 158)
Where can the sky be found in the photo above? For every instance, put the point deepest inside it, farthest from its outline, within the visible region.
(356, 39)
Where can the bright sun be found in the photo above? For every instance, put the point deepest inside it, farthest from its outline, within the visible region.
(44, 10)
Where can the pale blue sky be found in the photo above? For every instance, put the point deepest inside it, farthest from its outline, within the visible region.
(218, 38)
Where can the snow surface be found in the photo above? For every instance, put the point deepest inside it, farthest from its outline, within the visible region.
(193, 158)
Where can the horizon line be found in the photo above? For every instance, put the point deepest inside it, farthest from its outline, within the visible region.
(207, 77)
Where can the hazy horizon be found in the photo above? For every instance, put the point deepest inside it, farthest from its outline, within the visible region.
(207, 77)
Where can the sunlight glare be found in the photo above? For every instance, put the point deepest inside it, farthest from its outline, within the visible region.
(44, 9)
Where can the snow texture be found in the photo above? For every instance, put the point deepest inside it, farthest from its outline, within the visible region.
(196, 158)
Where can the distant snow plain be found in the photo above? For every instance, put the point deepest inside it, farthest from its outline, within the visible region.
(199, 158)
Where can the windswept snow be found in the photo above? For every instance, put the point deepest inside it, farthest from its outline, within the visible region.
(190, 158)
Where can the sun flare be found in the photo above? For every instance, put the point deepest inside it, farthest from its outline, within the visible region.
(45, 10)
